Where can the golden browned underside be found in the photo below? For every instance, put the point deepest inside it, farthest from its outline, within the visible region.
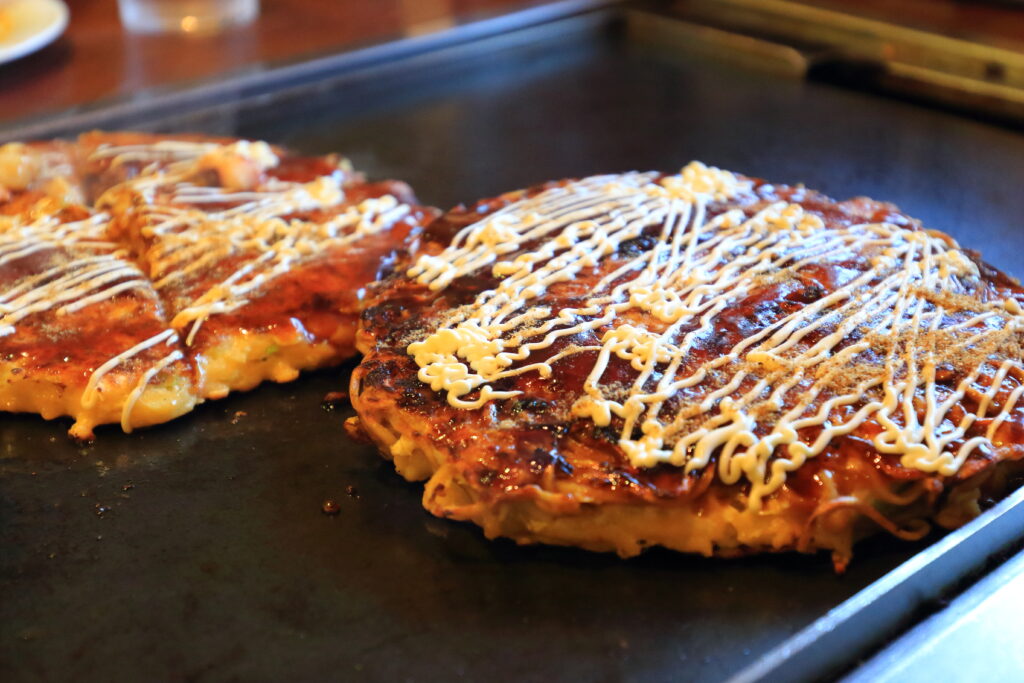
(717, 523)
(241, 362)
(168, 396)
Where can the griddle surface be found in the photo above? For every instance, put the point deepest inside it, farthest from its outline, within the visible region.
(198, 550)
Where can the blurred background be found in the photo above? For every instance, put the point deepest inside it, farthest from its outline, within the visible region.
(81, 54)
(105, 54)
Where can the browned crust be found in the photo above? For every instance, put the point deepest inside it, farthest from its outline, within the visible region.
(46, 365)
(304, 319)
(522, 468)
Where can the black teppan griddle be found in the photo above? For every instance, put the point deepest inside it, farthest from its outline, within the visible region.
(199, 550)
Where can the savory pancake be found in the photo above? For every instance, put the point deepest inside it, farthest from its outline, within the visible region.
(82, 332)
(260, 258)
(701, 361)
(212, 265)
(104, 160)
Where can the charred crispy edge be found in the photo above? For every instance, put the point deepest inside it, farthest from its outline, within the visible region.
(549, 517)
(721, 526)
(169, 395)
(715, 524)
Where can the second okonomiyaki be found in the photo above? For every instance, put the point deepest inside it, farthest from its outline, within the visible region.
(206, 266)
(261, 258)
(701, 361)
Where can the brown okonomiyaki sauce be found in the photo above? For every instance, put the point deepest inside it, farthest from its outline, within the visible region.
(536, 428)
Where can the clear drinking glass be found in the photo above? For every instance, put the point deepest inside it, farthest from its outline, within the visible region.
(186, 16)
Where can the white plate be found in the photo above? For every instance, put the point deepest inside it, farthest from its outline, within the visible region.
(28, 25)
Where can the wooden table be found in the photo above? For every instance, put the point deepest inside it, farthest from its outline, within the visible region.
(98, 60)
(987, 21)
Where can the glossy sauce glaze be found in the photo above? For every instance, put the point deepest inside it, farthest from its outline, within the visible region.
(288, 253)
(546, 413)
(222, 241)
(75, 312)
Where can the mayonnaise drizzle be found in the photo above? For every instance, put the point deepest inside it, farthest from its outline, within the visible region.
(91, 269)
(147, 377)
(869, 349)
(153, 152)
(187, 238)
(91, 392)
(88, 269)
(237, 165)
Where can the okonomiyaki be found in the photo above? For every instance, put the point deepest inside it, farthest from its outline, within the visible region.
(141, 274)
(82, 331)
(701, 361)
(106, 159)
(261, 260)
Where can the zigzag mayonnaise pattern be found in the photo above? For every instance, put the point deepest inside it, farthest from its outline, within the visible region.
(248, 219)
(191, 239)
(870, 349)
(88, 270)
